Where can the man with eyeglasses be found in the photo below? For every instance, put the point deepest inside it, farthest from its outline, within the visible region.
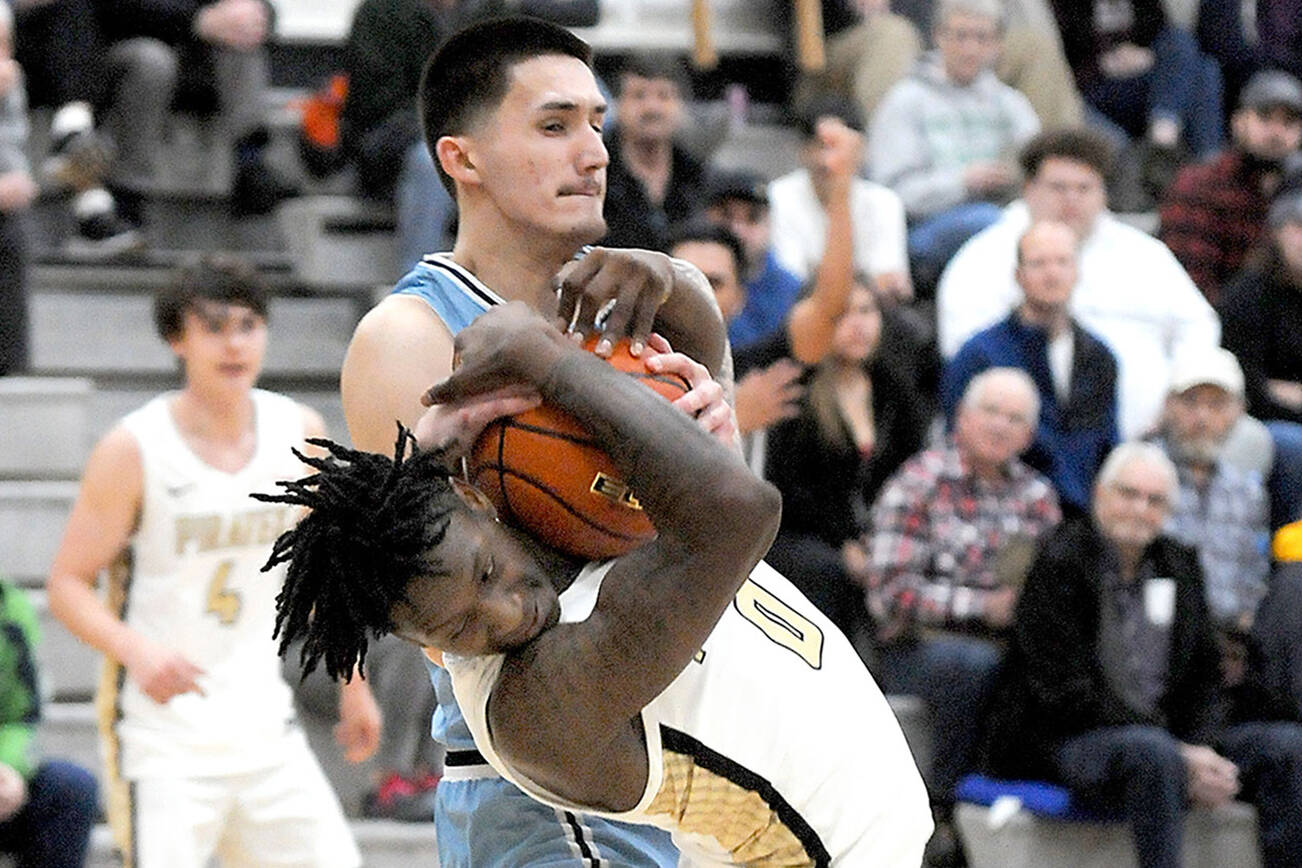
(943, 138)
(1112, 687)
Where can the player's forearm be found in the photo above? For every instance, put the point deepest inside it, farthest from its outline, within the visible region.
(691, 321)
(77, 605)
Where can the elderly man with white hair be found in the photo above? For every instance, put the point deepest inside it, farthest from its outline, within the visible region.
(951, 535)
(1111, 684)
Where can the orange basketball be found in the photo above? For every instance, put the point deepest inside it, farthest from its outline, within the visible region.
(546, 475)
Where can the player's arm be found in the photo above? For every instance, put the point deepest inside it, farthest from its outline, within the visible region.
(103, 517)
(575, 692)
(397, 350)
(360, 719)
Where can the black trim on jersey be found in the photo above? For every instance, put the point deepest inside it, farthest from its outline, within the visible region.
(455, 272)
(682, 743)
(457, 758)
(580, 838)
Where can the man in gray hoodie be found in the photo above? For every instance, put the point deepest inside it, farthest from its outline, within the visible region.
(944, 137)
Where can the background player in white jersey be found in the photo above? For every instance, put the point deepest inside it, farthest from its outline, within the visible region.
(200, 744)
(513, 117)
(698, 692)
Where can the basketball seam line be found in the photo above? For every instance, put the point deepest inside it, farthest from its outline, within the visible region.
(502, 472)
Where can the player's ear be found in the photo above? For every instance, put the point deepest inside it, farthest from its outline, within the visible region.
(473, 497)
(453, 153)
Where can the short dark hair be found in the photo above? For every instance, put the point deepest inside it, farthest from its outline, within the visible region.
(470, 72)
(705, 231)
(658, 65)
(219, 277)
(1077, 145)
(827, 105)
(372, 523)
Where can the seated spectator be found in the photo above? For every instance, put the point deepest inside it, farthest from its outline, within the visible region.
(17, 190)
(1144, 76)
(1263, 322)
(384, 57)
(1215, 213)
(205, 56)
(1132, 293)
(740, 201)
(1262, 315)
(866, 59)
(1112, 680)
(942, 137)
(859, 420)
(47, 808)
(1226, 31)
(1074, 373)
(950, 537)
(652, 182)
(59, 46)
(801, 210)
(1220, 511)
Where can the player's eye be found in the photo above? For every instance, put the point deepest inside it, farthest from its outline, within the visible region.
(488, 571)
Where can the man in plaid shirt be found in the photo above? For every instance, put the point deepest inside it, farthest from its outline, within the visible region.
(953, 533)
(1215, 212)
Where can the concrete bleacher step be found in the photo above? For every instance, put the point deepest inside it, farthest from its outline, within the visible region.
(69, 669)
(32, 516)
(76, 332)
(768, 149)
(339, 240)
(384, 844)
(1222, 838)
(915, 721)
(46, 426)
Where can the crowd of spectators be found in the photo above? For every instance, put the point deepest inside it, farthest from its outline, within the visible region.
(1000, 414)
(1062, 336)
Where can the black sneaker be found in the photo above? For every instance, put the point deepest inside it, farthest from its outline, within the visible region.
(104, 234)
(257, 189)
(79, 160)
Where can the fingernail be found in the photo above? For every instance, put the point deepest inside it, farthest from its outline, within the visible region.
(635, 348)
(576, 336)
(604, 347)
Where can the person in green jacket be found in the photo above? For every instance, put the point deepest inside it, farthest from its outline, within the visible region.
(47, 808)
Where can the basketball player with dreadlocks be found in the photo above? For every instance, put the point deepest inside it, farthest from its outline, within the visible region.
(684, 685)
(513, 118)
(201, 749)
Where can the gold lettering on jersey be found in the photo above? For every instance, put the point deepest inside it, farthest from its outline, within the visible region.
(255, 527)
(614, 490)
(700, 656)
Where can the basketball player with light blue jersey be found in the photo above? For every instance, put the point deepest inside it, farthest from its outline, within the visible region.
(513, 118)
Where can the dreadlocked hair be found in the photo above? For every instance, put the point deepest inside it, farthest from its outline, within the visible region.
(372, 521)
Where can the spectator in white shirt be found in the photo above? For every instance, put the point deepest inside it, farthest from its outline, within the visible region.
(1132, 292)
(798, 215)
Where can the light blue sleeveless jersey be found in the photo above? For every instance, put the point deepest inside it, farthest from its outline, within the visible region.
(481, 820)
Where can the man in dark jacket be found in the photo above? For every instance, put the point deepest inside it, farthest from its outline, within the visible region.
(651, 182)
(1074, 372)
(1113, 678)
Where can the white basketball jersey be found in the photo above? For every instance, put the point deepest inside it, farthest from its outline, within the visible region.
(774, 747)
(192, 582)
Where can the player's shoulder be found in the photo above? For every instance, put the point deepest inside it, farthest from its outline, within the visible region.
(116, 461)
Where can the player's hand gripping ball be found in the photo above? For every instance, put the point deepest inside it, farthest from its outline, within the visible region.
(545, 474)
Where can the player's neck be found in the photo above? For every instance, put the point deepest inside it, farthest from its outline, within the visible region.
(516, 268)
(218, 415)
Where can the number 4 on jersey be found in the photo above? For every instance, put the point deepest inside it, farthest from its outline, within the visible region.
(222, 601)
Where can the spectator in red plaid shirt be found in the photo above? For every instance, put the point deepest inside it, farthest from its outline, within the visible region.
(1215, 212)
(953, 533)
